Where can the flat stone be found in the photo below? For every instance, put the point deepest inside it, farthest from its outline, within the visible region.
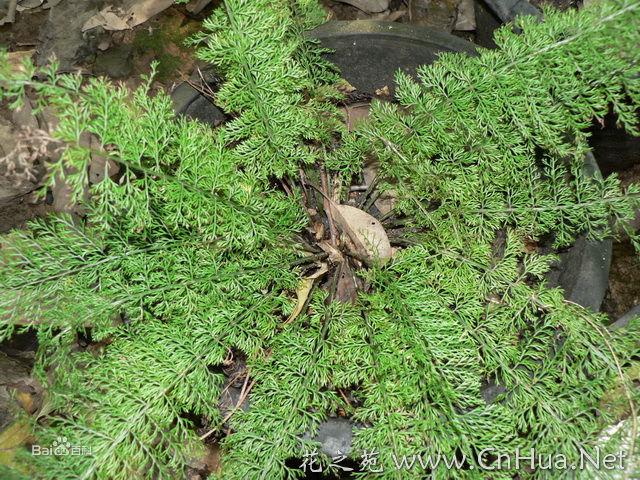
(61, 36)
(114, 62)
(335, 436)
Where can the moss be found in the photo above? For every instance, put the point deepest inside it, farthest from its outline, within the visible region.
(165, 41)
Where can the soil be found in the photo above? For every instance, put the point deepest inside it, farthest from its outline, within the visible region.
(17, 214)
(624, 276)
(624, 280)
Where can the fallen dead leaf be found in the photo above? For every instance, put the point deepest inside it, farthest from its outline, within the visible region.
(355, 113)
(12, 438)
(389, 16)
(16, 59)
(365, 231)
(27, 401)
(383, 92)
(304, 289)
(334, 254)
(347, 288)
(131, 14)
(344, 86)
(28, 5)
(101, 166)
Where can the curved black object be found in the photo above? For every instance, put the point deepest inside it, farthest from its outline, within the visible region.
(624, 320)
(370, 52)
(583, 270)
(189, 101)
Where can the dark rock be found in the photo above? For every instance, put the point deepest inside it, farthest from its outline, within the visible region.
(362, 49)
(196, 6)
(114, 62)
(491, 391)
(204, 110)
(14, 374)
(62, 35)
(189, 100)
(229, 399)
(624, 320)
(507, 10)
(583, 270)
(335, 436)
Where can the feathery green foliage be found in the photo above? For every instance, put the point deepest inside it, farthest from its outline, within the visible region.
(274, 82)
(500, 138)
(191, 255)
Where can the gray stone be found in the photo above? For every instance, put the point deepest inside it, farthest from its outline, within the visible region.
(196, 6)
(507, 10)
(190, 102)
(13, 373)
(114, 62)
(335, 436)
(62, 35)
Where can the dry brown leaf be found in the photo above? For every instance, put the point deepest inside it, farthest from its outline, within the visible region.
(17, 58)
(356, 113)
(365, 231)
(347, 288)
(28, 5)
(344, 86)
(334, 254)
(131, 14)
(304, 289)
(389, 16)
(101, 166)
(12, 438)
(27, 401)
(383, 92)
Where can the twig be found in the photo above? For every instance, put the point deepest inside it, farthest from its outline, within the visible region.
(367, 193)
(344, 397)
(303, 184)
(310, 259)
(387, 216)
(288, 190)
(372, 199)
(243, 395)
(327, 207)
(327, 316)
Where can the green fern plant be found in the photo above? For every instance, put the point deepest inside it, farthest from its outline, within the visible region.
(193, 254)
